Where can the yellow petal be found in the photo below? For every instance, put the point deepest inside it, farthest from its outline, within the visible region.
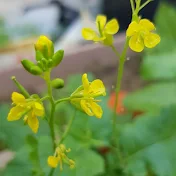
(101, 21)
(136, 43)
(38, 109)
(99, 39)
(53, 161)
(96, 109)
(151, 40)
(147, 24)
(85, 82)
(133, 28)
(112, 27)
(97, 88)
(17, 98)
(88, 34)
(33, 122)
(85, 105)
(15, 113)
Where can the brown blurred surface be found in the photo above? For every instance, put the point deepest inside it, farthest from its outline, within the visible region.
(89, 58)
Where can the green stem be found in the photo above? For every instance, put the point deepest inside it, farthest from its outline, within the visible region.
(44, 98)
(143, 5)
(132, 5)
(61, 100)
(51, 172)
(115, 51)
(20, 87)
(68, 128)
(51, 124)
(51, 120)
(118, 85)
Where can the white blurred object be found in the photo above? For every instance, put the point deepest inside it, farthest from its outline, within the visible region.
(82, 4)
(72, 37)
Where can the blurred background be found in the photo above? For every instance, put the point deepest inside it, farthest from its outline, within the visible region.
(23, 21)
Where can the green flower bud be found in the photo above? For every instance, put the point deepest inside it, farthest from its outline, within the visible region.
(31, 67)
(57, 83)
(57, 58)
(36, 70)
(38, 55)
(27, 64)
(50, 63)
(45, 46)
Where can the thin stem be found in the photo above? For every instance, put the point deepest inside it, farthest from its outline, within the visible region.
(51, 124)
(51, 120)
(132, 5)
(68, 128)
(51, 172)
(118, 85)
(115, 51)
(61, 100)
(44, 98)
(143, 5)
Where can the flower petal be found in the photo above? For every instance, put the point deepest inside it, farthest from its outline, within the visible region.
(101, 21)
(33, 122)
(147, 24)
(136, 43)
(133, 28)
(151, 40)
(88, 34)
(96, 109)
(85, 82)
(85, 105)
(38, 109)
(53, 161)
(15, 113)
(112, 27)
(18, 98)
(97, 88)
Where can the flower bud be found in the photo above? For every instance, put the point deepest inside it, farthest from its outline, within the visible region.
(45, 46)
(57, 83)
(27, 64)
(57, 58)
(36, 70)
(38, 55)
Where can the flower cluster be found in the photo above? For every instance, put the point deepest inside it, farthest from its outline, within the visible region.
(60, 157)
(45, 57)
(30, 109)
(84, 96)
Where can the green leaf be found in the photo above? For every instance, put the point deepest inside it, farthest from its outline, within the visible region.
(152, 98)
(88, 163)
(12, 133)
(150, 141)
(159, 66)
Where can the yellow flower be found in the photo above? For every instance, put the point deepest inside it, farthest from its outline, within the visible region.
(60, 157)
(105, 31)
(29, 108)
(141, 34)
(45, 46)
(84, 97)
